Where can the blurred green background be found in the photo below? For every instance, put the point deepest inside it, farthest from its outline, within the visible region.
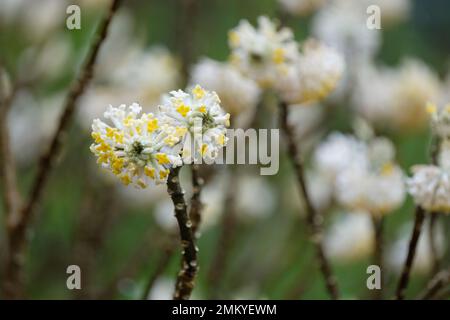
(119, 244)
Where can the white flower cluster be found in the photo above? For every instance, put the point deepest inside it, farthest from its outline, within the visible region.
(430, 184)
(395, 98)
(273, 59)
(314, 76)
(363, 173)
(239, 94)
(142, 148)
(263, 53)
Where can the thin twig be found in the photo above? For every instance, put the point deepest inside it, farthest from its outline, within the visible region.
(404, 278)
(314, 219)
(8, 175)
(186, 276)
(436, 284)
(17, 230)
(378, 251)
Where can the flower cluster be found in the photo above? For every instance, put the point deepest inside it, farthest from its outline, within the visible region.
(430, 184)
(364, 174)
(314, 76)
(273, 59)
(263, 53)
(394, 97)
(142, 148)
(239, 94)
(199, 121)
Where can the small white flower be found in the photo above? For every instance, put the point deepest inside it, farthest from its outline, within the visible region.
(263, 53)
(239, 95)
(314, 76)
(138, 150)
(430, 188)
(198, 120)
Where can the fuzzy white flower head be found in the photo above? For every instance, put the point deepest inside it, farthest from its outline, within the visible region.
(138, 150)
(338, 152)
(342, 24)
(199, 121)
(416, 85)
(263, 53)
(378, 188)
(395, 98)
(430, 188)
(239, 95)
(350, 237)
(301, 7)
(440, 119)
(315, 75)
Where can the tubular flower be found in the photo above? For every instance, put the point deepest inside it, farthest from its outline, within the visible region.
(263, 53)
(199, 122)
(315, 75)
(430, 188)
(138, 150)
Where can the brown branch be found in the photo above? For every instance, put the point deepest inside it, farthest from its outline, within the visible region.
(186, 276)
(436, 284)
(17, 230)
(404, 278)
(378, 251)
(8, 174)
(314, 218)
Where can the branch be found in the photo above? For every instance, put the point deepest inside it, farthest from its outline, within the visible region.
(404, 278)
(18, 228)
(8, 175)
(314, 219)
(439, 282)
(186, 277)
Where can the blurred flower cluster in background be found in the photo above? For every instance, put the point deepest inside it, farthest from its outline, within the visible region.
(367, 107)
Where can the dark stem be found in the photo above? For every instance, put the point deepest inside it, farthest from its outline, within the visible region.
(314, 219)
(17, 230)
(186, 276)
(436, 284)
(195, 212)
(378, 223)
(404, 278)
